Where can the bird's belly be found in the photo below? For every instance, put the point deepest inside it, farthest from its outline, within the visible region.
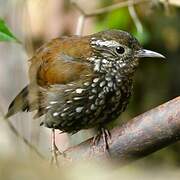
(95, 108)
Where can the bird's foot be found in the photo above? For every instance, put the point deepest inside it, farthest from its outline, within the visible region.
(106, 135)
(55, 151)
(54, 156)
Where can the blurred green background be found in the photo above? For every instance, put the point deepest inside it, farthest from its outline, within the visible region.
(35, 22)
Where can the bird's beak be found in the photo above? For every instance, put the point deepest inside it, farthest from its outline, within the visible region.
(147, 53)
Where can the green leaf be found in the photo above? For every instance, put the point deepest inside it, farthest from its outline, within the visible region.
(5, 33)
(117, 19)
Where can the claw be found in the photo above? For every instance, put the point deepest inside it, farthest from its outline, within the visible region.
(106, 135)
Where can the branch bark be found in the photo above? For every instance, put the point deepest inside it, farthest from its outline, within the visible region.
(139, 137)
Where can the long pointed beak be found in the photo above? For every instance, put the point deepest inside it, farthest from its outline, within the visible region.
(147, 53)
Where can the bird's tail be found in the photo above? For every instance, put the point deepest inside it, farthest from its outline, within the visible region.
(20, 103)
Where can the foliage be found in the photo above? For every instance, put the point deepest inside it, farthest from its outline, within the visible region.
(121, 19)
(5, 33)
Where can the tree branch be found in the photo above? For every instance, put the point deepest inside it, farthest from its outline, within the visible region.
(135, 19)
(139, 137)
(80, 25)
(108, 8)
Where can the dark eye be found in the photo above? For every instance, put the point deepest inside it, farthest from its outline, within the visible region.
(120, 50)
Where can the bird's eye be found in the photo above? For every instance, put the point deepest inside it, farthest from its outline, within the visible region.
(120, 50)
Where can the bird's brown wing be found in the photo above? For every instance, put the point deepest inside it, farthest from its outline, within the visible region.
(61, 61)
(61, 72)
(56, 64)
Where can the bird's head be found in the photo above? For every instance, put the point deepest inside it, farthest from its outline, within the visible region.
(118, 49)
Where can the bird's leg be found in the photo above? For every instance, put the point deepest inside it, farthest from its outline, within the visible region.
(106, 135)
(54, 149)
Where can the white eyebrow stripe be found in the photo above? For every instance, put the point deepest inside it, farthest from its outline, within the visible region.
(107, 43)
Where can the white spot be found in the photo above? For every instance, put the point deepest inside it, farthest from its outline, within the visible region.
(79, 91)
(102, 83)
(63, 114)
(94, 90)
(107, 43)
(97, 65)
(86, 83)
(110, 84)
(117, 77)
(68, 90)
(53, 102)
(56, 114)
(112, 74)
(93, 107)
(93, 84)
(91, 58)
(95, 80)
(91, 97)
(108, 78)
(106, 89)
(97, 102)
(68, 102)
(48, 107)
(114, 71)
(65, 109)
(100, 95)
(77, 98)
(122, 64)
(101, 102)
(104, 61)
(87, 111)
(79, 109)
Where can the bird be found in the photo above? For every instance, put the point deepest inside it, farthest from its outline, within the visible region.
(82, 82)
